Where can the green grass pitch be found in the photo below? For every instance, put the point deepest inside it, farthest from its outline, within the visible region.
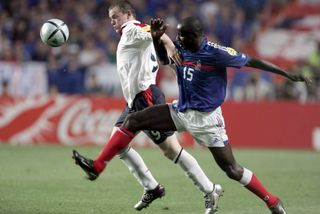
(44, 179)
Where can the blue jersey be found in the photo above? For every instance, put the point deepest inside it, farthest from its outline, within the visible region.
(202, 78)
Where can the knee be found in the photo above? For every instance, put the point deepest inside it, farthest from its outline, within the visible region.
(234, 172)
(170, 149)
(169, 153)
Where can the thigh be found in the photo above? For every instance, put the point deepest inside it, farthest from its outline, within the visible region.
(153, 96)
(154, 118)
(207, 128)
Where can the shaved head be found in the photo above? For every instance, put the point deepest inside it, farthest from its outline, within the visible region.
(191, 24)
(190, 33)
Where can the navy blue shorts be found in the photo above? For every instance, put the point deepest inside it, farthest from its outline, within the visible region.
(152, 96)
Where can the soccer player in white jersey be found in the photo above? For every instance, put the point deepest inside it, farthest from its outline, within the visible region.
(137, 67)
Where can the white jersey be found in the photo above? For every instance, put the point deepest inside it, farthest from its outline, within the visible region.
(136, 60)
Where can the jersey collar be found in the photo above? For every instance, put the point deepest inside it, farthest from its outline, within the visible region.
(203, 43)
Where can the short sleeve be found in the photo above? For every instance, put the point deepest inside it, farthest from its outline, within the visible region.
(228, 57)
(139, 33)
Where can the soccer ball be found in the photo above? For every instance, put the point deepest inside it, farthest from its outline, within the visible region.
(54, 32)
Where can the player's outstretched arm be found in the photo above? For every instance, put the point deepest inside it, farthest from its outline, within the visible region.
(157, 31)
(165, 48)
(268, 66)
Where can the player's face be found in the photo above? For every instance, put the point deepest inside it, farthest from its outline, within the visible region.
(188, 39)
(118, 18)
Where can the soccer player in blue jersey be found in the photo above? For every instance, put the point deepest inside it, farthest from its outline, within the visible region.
(202, 81)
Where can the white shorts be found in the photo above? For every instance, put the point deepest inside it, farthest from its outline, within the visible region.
(207, 128)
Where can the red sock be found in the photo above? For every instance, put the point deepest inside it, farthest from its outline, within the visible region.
(119, 140)
(252, 183)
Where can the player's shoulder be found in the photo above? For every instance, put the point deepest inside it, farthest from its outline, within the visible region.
(213, 45)
(136, 26)
(220, 48)
(144, 27)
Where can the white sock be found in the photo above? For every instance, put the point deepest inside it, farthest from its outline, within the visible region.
(246, 177)
(138, 168)
(194, 171)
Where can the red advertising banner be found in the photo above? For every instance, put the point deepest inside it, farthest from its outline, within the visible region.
(67, 120)
(73, 120)
(286, 125)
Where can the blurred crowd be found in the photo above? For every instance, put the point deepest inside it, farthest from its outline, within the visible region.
(86, 64)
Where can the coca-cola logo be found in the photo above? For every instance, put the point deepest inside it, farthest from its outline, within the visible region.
(22, 120)
(80, 124)
(67, 120)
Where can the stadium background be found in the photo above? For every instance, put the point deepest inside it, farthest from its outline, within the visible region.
(67, 97)
(72, 95)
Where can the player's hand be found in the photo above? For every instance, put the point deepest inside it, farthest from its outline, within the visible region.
(174, 55)
(299, 78)
(157, 28)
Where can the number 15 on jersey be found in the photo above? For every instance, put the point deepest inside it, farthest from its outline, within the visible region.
(188, 73)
